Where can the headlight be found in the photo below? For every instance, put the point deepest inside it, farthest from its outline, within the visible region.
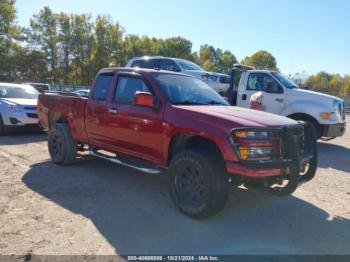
(209, 77)
(255, 145)
(252, 134)
(204, 77)
(338, 106)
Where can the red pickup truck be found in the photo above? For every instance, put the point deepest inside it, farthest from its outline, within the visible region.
(166, 122)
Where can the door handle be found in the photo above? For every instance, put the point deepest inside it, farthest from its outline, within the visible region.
(279, 100)
(244, 97)
(113, 111)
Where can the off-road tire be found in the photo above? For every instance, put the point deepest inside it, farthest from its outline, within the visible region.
(62, 147)
(198, 183)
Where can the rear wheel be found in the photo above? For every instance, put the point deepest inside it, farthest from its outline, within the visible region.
(62, 146)
(198, 183)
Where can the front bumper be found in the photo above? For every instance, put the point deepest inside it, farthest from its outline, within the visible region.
(334, 130)
(19, 119)
(298, 147)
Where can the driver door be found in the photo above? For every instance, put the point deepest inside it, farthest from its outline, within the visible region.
(135, 130)
(273, 95)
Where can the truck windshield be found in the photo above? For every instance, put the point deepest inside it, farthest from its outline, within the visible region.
(187, 65)
(287, 82)
(185, 90)
(18, 92)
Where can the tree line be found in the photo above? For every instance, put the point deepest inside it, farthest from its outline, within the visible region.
(61, 48)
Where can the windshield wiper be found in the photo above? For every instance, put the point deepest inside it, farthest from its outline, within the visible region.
(212, 102)
(190, 103)
(200, 103)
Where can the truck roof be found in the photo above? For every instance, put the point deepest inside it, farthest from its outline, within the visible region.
(259, 71)
(142, 70)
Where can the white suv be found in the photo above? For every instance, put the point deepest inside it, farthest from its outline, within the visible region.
(219, 82)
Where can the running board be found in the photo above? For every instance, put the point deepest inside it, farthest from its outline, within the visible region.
(115, 160)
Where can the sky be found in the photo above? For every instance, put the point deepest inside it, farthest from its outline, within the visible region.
(303, 35)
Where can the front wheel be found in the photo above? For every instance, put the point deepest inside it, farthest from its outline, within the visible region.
(198, 183)
(62, 146)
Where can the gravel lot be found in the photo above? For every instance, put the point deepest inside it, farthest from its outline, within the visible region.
(95, 207)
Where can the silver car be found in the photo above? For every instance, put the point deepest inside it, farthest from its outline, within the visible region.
(17, 106)
(219, 82)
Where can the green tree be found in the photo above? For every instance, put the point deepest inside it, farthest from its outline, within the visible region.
(345, 92)
(65, 43)
(175, 47)
(9, 33)
(261, 60)
(212, 59)
(335, 84)
(319, 82)
(44, 35)
(226, 62)
(108, 45)
(82, 49)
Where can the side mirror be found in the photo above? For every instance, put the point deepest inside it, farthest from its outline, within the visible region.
(274, 88)
(143, 99)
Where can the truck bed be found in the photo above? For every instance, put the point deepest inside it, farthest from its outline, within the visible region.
(53, 107)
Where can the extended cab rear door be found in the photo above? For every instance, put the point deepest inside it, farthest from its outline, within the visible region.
(97, 110)
(273, 94)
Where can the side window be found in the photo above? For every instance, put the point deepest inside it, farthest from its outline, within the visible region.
(263, 82)
(136, 63)
(168, 65)
(127, 87)
(102, 84)
(151, 64)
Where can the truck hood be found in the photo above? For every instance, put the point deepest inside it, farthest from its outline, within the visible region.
(308, 94)
(21, 101)
(233, 116)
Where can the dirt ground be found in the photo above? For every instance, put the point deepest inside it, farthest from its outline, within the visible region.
(96, 207)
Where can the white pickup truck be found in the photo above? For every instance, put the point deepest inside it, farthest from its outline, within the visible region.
(275, 93)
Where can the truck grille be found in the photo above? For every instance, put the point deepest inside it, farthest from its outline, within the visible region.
(342, 110)
(301, 136)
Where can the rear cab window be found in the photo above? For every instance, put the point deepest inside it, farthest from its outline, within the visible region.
(102, 85)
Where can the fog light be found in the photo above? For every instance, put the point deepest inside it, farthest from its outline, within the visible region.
(14, 120)
(243, 152)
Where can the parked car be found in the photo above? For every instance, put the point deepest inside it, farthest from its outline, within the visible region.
(83, 92)
(41, 87)
(280, 95)
(219, 82)
(157, 121)
(17, 107)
